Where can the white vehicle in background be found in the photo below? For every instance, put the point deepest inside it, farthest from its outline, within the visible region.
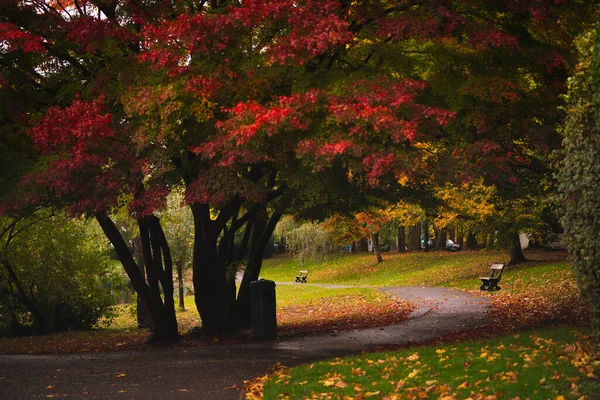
(451, 246)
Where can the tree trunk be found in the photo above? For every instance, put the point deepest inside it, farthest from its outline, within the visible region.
(460, 238)
(414, 238)
(159, 271)
(144, 318)
(179, 268)
(471, 242)
(425, 230)
(154, 249)
(263, 231)
(440, 241)
(214, 290)
(516, 251)
(400, 240)
(376, 248)
(362, 245)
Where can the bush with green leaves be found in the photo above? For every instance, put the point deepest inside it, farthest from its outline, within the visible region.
(55, 275)
(579, 176)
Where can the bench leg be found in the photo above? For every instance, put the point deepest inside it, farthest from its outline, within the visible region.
(485, 285)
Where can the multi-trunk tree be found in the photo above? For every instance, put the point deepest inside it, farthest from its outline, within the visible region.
(256, 108)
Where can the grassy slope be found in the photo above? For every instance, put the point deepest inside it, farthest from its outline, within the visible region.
(544, 364)
(460, 269)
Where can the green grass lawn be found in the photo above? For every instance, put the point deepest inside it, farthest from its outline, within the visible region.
(542, 364)
(459, 269)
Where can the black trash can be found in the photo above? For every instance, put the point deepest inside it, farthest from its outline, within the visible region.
(263, 314)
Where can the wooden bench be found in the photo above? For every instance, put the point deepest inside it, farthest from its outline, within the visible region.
(490, 283)
(302, 277)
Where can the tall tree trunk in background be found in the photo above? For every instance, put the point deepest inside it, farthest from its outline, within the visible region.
(362, 245)
(471, 242)
(414, 238)
(179, 269)
(440, 240)
(376, 248)
(460, 238)
(516, 252)
(425, 235)
(144, 318)
(400, 240)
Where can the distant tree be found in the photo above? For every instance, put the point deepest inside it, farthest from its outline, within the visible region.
(363, 225)
(309, 242)
(579, 175)
(178, 225)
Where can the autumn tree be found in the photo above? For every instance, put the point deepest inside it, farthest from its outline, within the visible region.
(363, 225)
(257, 108)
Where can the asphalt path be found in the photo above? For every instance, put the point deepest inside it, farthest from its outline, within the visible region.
(217, 372)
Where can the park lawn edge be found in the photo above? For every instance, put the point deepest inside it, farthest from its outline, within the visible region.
(542, 363)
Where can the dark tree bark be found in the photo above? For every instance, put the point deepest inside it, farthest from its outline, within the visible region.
(516, 252)
(471, 242)
(414, 238)
(209, 274)
(362, 245)
(179, 269)
(400, 240)
(262, 232)
(144, 318)
(451, 235)
(440, 241)
(460, 238)
(155, 250)
(159, 273)
(425, 235)
(376, 247)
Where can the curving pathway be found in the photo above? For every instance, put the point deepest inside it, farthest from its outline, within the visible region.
(214, 372)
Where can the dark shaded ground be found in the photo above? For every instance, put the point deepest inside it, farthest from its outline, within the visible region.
(217, 372)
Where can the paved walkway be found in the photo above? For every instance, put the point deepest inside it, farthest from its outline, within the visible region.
(215, 372)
